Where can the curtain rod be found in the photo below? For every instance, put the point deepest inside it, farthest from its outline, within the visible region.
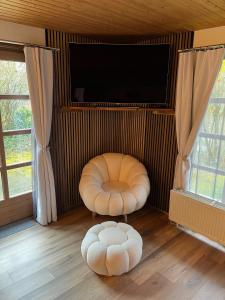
(28, 45)
(203, 48)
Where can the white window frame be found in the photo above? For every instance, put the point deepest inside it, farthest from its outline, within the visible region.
(198, 167)
(3, 166)
(19, 206)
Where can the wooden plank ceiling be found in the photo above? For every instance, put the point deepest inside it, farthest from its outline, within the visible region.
(116, 17)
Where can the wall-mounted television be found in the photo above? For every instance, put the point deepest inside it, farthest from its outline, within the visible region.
(119, 73)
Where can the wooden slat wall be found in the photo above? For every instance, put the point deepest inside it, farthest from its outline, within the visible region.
(78, 136)
(160, 135)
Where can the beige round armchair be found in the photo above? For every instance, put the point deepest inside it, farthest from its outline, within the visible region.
(114, 184)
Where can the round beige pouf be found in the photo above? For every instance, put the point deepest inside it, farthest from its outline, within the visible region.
(112, 248)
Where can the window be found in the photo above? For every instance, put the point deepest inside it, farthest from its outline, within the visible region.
(15, 131)
(207, 176)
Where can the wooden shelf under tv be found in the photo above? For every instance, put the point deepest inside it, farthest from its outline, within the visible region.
(154, 110)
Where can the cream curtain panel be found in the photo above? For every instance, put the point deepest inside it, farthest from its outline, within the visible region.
(39, 64)
(197, 72)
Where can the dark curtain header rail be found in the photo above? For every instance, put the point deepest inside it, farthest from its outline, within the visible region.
(20, 44)
(203, 48)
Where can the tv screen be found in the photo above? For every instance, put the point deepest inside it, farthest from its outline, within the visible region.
(119, 73)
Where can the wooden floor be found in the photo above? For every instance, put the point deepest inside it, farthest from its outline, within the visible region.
(45, 263)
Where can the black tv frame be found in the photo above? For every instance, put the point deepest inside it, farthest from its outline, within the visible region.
(124, 104)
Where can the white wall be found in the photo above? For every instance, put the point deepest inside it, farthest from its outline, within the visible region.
(210, 36)
(28, 34)
(21, 33)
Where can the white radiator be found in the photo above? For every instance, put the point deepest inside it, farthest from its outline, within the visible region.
(199, 215)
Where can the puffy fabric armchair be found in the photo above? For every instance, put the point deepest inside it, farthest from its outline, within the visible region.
(114, 184)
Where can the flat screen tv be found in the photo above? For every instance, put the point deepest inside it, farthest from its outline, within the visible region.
(119, 73)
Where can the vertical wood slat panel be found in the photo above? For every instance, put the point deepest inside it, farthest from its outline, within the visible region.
(78, 136)
(160, 142)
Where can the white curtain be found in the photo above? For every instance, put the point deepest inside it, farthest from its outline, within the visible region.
(39, 64)
(197, 72)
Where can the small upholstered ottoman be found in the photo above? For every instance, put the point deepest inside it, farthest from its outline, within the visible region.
(112, 248)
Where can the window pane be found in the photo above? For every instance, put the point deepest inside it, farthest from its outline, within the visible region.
(205, 183)
(221, 163)
(1, 190)
(213, 119)
(17, 148)
(192, 183)
(208, 153)
(220, 184)
(218, 89)
(195, 152)
(16, 114)
(205, 152)
(13, 79)
(20, 180)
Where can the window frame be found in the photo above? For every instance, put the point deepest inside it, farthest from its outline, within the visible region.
(198, 166)
(3, 166)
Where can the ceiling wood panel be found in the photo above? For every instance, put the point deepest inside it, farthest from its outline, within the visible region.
(120, 17)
